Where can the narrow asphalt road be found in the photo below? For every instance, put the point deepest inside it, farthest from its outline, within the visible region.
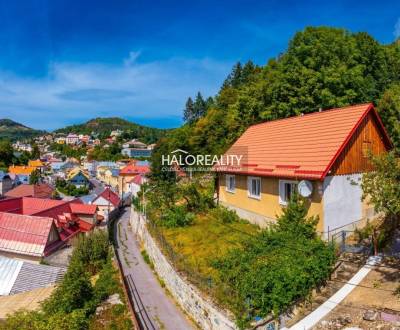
(156, 308)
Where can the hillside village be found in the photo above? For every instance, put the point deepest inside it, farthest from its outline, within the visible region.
(275, 205)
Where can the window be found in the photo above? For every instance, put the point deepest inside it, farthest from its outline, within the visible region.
(254, 187)
(366, 148)
(230, 183)
(286, 190)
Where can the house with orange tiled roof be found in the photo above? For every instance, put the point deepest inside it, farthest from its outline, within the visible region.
(321, 156)
(21, 169)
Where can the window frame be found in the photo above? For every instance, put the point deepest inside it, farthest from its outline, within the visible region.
(249, 186)
(282, 190)
(227, 183)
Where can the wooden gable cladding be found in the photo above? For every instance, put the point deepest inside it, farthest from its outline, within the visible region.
(354, 157)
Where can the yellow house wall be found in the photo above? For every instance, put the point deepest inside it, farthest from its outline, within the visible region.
(268, 205)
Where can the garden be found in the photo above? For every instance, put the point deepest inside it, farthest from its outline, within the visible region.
(251, 272)
(69, 189)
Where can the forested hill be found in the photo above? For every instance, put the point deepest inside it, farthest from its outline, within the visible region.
(12, 130)
(104, 126)
(322, 68)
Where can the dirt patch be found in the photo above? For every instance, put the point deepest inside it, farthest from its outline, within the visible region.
(373, 304)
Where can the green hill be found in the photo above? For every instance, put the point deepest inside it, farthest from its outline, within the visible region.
(12, 130)
(104, 126)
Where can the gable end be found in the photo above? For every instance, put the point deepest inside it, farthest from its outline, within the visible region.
(370, 136)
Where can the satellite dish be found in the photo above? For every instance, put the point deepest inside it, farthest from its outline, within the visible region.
(305, 188)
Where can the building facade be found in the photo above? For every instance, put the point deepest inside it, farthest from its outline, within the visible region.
(326, 153)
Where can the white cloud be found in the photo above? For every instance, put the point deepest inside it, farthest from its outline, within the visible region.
(396, 31)
(131, 59)
(73, 92)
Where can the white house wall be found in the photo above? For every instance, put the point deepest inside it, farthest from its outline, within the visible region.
(342, 200)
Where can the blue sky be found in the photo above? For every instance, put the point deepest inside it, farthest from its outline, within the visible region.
(64, 62)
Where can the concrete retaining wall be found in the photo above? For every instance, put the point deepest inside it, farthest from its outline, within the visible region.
(188, 297)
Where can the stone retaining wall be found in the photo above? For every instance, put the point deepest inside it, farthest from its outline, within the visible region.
(188, 297)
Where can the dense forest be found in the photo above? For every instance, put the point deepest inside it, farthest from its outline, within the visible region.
(103, 127)
(322, 68)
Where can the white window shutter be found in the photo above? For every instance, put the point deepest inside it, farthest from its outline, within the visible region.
(282, 200)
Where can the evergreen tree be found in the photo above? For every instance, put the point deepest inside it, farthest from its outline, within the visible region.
(34, 178)
(35, 152)
(200, 106)
(236, 76)
(188, 113)
(6, 153)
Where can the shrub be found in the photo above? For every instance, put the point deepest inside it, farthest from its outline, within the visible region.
(224, 215)
(177, 216)
(276, 267)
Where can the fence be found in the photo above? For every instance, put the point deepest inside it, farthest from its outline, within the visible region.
(348, 241)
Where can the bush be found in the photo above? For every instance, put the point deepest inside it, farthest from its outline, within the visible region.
(177, 216)
(75, 299)
(276, 267)
(224, 215)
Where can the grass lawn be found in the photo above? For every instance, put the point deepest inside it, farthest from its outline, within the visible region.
(206, 239)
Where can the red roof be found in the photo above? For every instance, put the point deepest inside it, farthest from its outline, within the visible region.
(24, 234)
(30, 190)
(83, 208)
(109, 195)
(132, 169)
(300, 147)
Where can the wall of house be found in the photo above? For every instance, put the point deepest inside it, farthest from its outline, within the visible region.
(342, 201)
(53, 235)
(87, 218)
(23, 257)
(267, 208)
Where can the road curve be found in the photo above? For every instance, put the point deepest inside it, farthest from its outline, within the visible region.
(154, 308)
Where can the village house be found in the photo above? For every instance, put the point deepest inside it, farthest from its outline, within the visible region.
(107, 202)
(38, 164)
(129, 172)
(72, 139)
(61, 140)
(135, 148)
(322, 156)
(41, 190)
(21, 173)
(22, 146)
(78, 177)
(134, 184)
(32, 228)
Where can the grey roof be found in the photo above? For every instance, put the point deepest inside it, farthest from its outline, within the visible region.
(33, 276)
(87, 199)
(9, 269)
(18, 276)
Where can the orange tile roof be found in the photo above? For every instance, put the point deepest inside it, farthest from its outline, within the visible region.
(299, 147)
(24, 170)
(35, 163)
(133, 169)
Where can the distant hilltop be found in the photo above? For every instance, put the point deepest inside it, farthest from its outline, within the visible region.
(102, 128)
(13, 131)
